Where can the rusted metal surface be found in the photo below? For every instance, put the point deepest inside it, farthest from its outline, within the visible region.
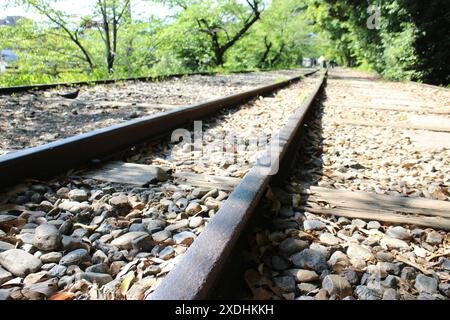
(55, 157)
(40, 87)
(195, 275)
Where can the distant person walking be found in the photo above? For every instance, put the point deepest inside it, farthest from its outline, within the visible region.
(322, 62)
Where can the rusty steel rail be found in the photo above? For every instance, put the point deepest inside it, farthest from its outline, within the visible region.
(194, 277)
(41, 87)
(52, 158)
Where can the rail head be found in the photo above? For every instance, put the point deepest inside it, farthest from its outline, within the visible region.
(196, 273)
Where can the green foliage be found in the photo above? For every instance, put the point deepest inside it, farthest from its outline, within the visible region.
(411, 42)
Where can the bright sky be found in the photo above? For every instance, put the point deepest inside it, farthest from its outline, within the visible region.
(140, 8)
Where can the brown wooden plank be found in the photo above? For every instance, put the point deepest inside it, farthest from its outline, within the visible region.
(393, 108)
(208, 181)
(122, 172)
(404, 125)
(386, 216)
(374, 201)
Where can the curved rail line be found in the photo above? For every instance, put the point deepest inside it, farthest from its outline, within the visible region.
(56, 157)
(194, 277)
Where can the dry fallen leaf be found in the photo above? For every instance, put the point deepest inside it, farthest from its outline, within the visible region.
(62, 296)
(126, 282)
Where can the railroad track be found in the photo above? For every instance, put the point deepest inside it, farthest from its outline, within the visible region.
(33, 118)
(362, 214)
(311, 218)
(139, 197)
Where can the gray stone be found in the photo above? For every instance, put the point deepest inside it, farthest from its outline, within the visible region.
(337, 285)
(166, 253)
(282, 196)
(57, 271)
(4, 276)
(178, 225)
(310, 259)
(283, 224)
(48, 266)
(74, 257)
(306, 287)
(338, 261)
(279, 264)
(320, 248)
(143, 243)
(98, 268)
(305, 298)
(390, 267)
(161, 236)
(5, 246)
(434, 238)
(426, 296)
(303, 275)
(398, 232)
(41, 289)
(100, 278)
(359, 223)
(445, 264)
(286, 212)
(107, 226)
(26, 238)
(120, 201)
(444, 288)
(5, 293)
(73, 206)
(285, 283)
(47, 237)
(198, 193)
(313, 225)
(95, 236)
(66, 228)
(359, 255)
(385, 256)
(78, 195)
(426, 284)
(390, 294)
(51, 257)
(390, 282)
(137, 227)
(417, 233)
(65, 281)
(351, 276)
(373, 225)
(290, 246)
(184, 238)
(195, 222)
(393, 243)
(408, 273)
(126, 241)
(154, 225)
(8, 220)
(80, 233)
(69, 243)
(329, 239)
(364, 293)
(19, 262)
(193, 208)
(99, 257)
